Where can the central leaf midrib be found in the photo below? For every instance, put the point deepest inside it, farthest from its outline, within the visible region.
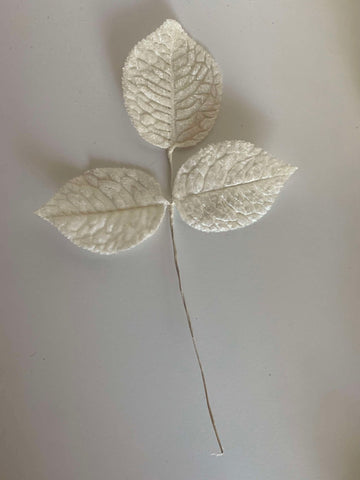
(172, 94)
(230, 186)
(115, 210)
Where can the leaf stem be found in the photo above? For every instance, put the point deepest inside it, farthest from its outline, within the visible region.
(169, 154)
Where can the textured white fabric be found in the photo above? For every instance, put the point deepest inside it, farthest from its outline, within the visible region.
(172, 88)
(106, 210)
(228, 185)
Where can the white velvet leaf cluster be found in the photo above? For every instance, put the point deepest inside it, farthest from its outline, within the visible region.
(172, 89)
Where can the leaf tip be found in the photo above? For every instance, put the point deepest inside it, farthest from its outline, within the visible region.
(172, 24)
(40, 212)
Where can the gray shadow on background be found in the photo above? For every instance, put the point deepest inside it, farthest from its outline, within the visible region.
(58, 170)
(127, 26)
(121, 31)
(97, 162)
(237, 118)
(45, 163)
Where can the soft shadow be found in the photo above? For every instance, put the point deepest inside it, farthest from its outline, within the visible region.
(55, 169)
(237, 120)
(43, 162)
(96, 162)
(337, 436)
(124, 27)
(127, 26)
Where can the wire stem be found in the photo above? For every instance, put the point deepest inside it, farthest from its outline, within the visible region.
(169, 153)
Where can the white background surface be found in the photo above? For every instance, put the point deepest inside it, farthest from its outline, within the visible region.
(98, 379)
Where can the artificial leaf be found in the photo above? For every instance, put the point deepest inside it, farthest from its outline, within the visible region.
(228, 185)
(172, 88)
(106, 210)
